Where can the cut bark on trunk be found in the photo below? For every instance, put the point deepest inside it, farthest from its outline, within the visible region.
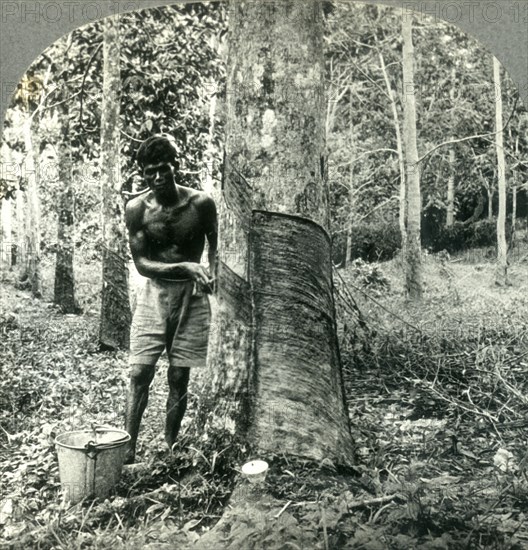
(300, 406)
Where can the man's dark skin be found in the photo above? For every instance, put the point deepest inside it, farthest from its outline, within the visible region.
(167, 228)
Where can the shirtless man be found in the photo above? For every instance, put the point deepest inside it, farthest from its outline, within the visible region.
(167, 228)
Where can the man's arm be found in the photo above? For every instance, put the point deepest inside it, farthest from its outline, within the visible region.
(211, 231)
(139, 248)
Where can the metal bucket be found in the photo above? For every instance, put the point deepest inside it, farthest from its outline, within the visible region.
(90, 461)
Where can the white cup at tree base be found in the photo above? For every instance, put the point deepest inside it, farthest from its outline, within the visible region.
(255, 471)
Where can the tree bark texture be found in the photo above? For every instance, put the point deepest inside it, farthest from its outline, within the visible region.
(115, 308)
(501, 274)
(275, 124)
(296, 358)
(412, 259)
(274, 361)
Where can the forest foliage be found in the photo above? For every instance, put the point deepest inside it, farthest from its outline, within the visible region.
(172, 67)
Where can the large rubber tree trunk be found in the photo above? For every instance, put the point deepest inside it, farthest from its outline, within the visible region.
(274, 358)
(501, 273)
(412, 259)
(115, 307)
(276, 382)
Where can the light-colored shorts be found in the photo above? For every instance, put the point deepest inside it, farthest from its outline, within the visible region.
(156, 317)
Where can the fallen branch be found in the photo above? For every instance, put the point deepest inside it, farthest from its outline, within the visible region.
(458, 403)
(509, 387)
(278, 515)
(374, 501)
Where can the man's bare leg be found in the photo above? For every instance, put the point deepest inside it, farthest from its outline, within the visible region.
(178, 378)
(140, 378)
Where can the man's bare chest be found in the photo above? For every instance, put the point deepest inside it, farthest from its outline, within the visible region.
(175, 225)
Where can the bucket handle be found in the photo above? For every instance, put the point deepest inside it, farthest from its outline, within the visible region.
(92, 448)
(101, 428)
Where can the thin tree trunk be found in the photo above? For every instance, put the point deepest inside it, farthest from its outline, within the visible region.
(402, 218)
(501, 274)
(7, 233)
(490, 203)
(412, 258)
(514, 196)
(6, 203)
(115, 307)
(32, 169)
(64, 291)
(18, 255)
(450, 214)
(348, 250)
(514, 205)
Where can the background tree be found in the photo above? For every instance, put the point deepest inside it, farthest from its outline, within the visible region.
(8, 185)
(64, 288)
(502, 247)
(115, 309)
(31, 99)
(412, 259)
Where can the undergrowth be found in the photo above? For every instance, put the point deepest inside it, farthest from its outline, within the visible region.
(436, 396)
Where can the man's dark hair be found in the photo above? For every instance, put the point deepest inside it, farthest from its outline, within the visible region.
(156, 149)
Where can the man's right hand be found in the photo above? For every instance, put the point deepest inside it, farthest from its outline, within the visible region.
(198, 273)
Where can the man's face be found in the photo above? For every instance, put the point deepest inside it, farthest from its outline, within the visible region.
(159, 177)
